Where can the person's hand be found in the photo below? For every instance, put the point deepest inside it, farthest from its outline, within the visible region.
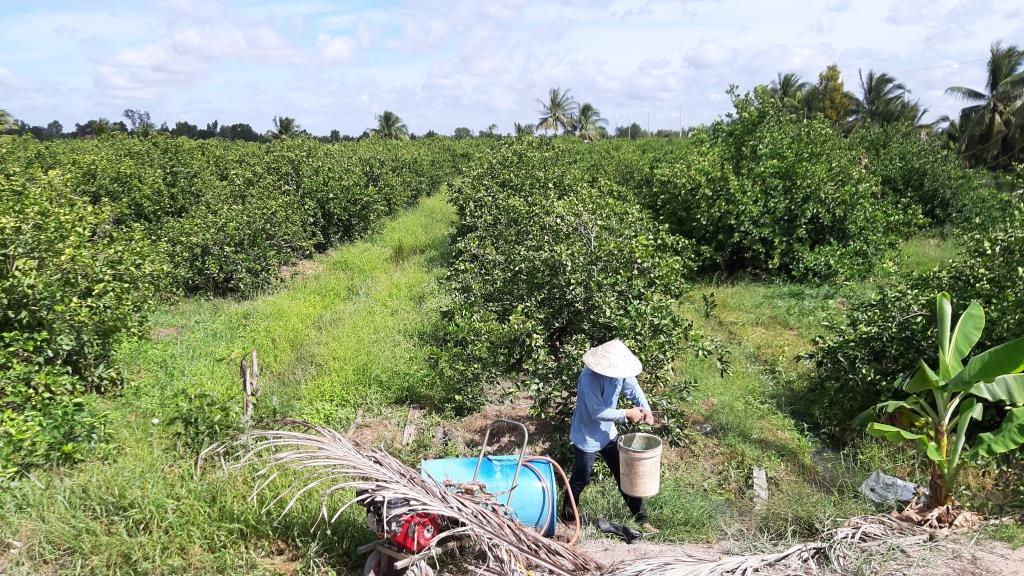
(648, 418)
(635, 415)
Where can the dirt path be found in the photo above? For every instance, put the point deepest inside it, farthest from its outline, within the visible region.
(614, 551)
(957, 556)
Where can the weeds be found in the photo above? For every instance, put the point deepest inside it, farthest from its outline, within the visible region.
(342, 338)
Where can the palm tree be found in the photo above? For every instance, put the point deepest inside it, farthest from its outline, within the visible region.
(284, 127)
(390, 126)
(100, 126)
(589, 122)
(524, 129)
(7, 121)
(558, 112)
(989, 128)
(790, 89)
(883, 99)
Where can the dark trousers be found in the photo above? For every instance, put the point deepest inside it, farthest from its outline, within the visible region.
(583, 467)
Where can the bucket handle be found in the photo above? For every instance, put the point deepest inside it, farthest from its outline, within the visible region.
(519, 463)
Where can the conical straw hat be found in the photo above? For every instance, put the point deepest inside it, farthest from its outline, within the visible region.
(613, 359)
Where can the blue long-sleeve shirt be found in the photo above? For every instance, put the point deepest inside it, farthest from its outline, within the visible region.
(597, 399)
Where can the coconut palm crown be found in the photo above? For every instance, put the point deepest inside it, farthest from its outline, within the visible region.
(884, 99)
(992, 125)
(790, 89)
(284, 127)
(390, 126)
(589, 122)
(559, 111)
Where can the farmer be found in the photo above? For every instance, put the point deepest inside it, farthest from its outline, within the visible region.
(610, 369)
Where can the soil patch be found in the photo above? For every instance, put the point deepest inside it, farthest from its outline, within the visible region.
(302, 268)
(166, 332)
(283, 559)
(962, 555)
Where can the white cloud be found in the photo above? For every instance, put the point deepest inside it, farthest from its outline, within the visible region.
(708, 55)
(7, 79)
(420, 35)
(334, 49)
(470, 63)
(257, 43)
(188, 54)
(123, 85)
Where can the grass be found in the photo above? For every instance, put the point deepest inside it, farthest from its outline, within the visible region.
(346, 335)
(346, 332)
(707, 493)
(922, 253)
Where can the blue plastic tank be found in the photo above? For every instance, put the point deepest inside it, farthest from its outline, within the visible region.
(533, 502)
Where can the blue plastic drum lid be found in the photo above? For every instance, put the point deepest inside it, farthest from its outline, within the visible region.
(532, 501)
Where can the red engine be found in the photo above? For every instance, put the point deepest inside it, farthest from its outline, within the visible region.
(412, 532)
(417, 532)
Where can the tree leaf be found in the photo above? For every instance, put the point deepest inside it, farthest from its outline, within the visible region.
(970, 409)
(969, 94)
(1009, 436)
(923, 379)
(1006, 358)
(892, 433)
(1007, 388)
(944, 317)
(968, 331)
(871, 414)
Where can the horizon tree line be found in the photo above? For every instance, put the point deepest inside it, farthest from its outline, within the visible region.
(988, 132)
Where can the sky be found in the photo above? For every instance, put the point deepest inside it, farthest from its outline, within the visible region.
(443, 64)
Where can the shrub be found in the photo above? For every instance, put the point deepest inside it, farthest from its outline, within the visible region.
(917, 175)
(628, 163)
(867, 354)
(237, 246)
(94, 233)
(201, 418)
(71, 287)
(43, 418)
(764, 192)
(548, 263)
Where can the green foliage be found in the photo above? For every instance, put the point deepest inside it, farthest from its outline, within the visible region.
(94, 233)
(44, 418)
(989, 131)
(201, 418)
(917, 175)
(548, 263)
(342, 338)
(938, 412)
(71, 287)
(829, 96)
(864, 358)
(766, 192)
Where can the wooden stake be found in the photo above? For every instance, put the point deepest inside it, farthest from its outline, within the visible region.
(760, 487)
(355, 423)
(250, 389)
(410, 424)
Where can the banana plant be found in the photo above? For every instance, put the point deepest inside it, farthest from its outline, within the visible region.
(942, 405)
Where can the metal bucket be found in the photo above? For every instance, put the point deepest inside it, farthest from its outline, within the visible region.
(640, 464)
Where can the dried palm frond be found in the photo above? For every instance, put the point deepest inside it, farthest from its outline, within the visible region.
(834, 548)
(330, 464)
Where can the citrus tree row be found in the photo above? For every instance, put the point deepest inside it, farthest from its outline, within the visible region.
(94, 233)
